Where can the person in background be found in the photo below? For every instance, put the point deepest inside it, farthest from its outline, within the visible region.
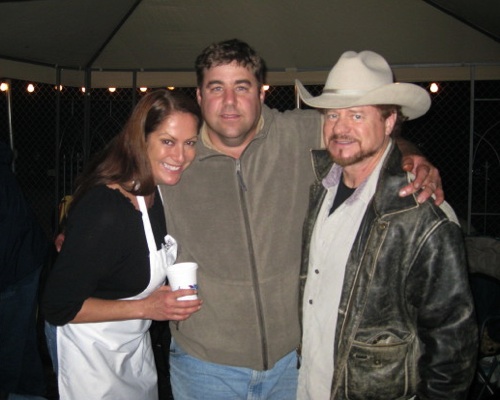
(387, 310)
(108, 281)
(23, 250)
(238, 213)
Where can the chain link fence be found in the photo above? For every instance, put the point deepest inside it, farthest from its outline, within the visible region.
(443, 135)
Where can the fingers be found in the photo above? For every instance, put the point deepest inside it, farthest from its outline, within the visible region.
(429, 188)
(183, 309)
(422, 176)
(432, 186)
(407, 164)
(439, 194)
(427, 180)
(438, 191)
(426, 192)
(59, 240)
(184, 292)
(164, 304)
(416, 184)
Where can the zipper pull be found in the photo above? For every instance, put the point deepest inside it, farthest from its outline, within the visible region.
(240, 175)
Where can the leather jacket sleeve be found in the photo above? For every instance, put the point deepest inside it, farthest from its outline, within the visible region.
(447, 330)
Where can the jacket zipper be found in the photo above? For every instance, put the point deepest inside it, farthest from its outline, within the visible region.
(260, 317)
(240, 176)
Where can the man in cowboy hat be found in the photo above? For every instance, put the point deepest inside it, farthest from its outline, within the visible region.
(387, 311)
(238, 212)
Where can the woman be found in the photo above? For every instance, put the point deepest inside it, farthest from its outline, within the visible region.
(108, 281)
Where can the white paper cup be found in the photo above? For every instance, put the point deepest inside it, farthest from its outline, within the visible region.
(183, 276)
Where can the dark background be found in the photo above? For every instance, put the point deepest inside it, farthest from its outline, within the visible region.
(443, 135)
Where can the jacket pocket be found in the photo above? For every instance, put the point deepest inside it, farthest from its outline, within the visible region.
(378, 368)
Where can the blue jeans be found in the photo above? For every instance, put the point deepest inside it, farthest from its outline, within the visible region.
(194, 379)
(51, 340)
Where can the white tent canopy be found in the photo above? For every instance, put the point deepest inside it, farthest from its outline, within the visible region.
(54, 41)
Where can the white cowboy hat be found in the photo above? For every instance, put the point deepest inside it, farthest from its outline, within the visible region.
(365, 78)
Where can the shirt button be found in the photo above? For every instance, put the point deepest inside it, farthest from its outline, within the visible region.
(310, 301)
(316, 271)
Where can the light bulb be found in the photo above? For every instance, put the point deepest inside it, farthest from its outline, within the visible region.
(434, 88)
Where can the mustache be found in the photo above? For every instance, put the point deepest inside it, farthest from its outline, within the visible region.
(336, 136)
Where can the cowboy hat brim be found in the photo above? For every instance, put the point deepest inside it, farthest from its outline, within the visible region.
(414, 100)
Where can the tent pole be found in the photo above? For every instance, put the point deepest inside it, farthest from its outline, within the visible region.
(11, 131)
(134, 88)
(57, 147)
(86, 116)
(471, 147)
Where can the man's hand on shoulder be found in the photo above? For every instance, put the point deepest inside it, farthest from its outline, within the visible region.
(427, 179)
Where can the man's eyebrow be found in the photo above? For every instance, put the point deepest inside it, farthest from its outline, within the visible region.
(214, 82)
(237, 82)
(245, 81)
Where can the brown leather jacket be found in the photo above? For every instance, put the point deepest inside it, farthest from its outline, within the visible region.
(406, 324)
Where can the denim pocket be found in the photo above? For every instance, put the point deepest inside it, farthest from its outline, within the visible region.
(378, 368)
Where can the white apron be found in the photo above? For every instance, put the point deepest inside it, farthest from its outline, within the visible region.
(114, 360)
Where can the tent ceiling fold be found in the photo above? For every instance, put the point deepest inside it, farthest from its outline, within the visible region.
(159, 39)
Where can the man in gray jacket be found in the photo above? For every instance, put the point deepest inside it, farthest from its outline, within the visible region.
(238, 213)
(387, 311)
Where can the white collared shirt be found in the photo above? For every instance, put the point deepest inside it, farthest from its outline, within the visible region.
(331, 243)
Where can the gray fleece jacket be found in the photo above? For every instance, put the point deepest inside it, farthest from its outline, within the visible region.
(241, 221)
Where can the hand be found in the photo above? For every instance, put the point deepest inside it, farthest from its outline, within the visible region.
(163, 304)
(427, 178)
(58, 241)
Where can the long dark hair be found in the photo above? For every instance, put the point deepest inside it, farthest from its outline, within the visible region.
(124, 160)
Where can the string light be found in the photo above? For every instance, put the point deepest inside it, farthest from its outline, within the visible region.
(112, 89)
(170, 87)
(4, 86)
(265, 87)
(30, 88)
(434, 88)
(143, 89)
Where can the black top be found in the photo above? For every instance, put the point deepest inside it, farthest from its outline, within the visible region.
(105, 253)
(343, 193)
